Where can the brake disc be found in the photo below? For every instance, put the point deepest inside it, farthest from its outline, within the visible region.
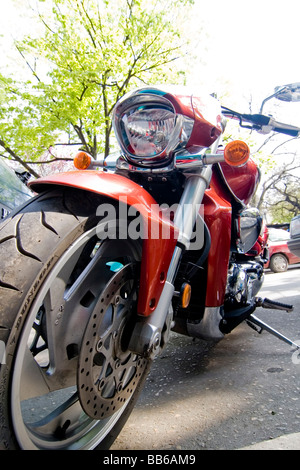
(108, 373)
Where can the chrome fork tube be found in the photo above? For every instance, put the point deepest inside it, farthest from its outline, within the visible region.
(186, 215)
(190, 203)
(147, 335)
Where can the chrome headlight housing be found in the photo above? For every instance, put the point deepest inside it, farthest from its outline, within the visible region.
(148, 128)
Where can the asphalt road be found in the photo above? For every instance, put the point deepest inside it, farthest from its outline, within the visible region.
(237, 393)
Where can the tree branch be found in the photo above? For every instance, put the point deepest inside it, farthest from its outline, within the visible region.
(16, 158)
(28, 64)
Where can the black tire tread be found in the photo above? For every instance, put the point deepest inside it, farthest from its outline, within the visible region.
(28, 238)
(31, 241)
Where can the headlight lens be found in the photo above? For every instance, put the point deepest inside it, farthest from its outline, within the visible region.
(148, 131)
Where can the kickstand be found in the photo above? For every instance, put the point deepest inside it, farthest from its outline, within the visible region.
(264, 326)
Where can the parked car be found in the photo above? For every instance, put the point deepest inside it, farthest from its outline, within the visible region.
(294, 242)
(280, 255)
(13, 192)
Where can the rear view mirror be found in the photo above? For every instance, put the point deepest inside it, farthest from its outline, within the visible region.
(290, 92)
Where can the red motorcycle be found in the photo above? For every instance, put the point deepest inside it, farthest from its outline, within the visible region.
(102, 264)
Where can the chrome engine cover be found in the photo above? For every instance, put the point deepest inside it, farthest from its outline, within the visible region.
(244, 282)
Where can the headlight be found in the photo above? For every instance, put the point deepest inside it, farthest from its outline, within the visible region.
(148, 131)
(148, 128)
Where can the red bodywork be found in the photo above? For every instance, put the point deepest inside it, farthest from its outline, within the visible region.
(217, 215)
(206, 129)
(157, 252)
(242, 181)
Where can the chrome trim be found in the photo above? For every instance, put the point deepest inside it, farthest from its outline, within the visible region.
(189, 206)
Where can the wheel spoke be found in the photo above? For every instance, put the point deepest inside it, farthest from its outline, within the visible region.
(49, 352)
(34, 381)
(69, 307)
(60, 419)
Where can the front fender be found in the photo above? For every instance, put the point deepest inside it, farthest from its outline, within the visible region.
(159, 235)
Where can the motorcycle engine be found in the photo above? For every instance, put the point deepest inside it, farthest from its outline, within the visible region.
(243, 282)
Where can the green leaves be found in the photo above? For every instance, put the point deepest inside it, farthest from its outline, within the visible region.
(90, 53)
(22, 134)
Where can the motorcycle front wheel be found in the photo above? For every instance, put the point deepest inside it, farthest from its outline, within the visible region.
(68, 294)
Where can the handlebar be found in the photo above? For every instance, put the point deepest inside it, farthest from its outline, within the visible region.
(261, 123)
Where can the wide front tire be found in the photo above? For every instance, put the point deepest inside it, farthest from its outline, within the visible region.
(67, 305)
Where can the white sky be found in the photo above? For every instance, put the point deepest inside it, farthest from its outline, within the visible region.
(244, 50)
(244, 47)
(254, 44)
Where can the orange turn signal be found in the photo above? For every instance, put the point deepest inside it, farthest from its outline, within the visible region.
(186, 292)
(236, 153)
(82, 161)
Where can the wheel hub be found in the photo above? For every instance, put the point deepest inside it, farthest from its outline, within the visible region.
(108, 373)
